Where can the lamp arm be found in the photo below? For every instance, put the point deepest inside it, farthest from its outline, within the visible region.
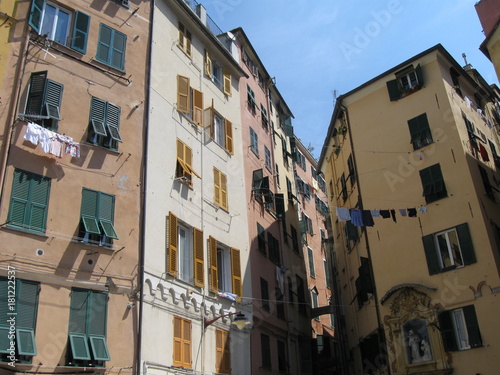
(207, 322)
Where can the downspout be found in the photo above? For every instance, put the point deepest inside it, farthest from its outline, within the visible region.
(11, 116)
(143, 192)
(380, 328)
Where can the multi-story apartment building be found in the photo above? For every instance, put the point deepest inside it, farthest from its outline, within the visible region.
(318, 256)
(281, 330)
(488, 12)
(72, 116)
(411, 161)
(196, 270)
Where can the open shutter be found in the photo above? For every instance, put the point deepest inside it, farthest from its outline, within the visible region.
(465, 240)
(98, 116)
(393, 89)
(36, 14)
(172, 249)
(217, 187)
(229, 136)
(97, 320)
(236, 271)
(472, 326)
(198, 107)
(80, 32)
(89, 211)
(177, 341)
(227, 82)
(199, 264)
(113, 121)
(431, 254)
(99, 348)
(211, 121)
(183, 94)
(26, 317)
(447, 331)
(78, 323)
(420, 77)
(208, 64)
(53, 98)
(212, 248)
(36, 94)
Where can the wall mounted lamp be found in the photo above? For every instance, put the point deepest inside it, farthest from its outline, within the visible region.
(240, 321)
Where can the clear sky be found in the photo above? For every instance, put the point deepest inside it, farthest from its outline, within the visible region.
(316, 48)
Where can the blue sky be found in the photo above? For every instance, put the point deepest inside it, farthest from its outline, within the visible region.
(316, 48)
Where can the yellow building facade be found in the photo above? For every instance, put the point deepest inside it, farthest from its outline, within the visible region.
(411, 164)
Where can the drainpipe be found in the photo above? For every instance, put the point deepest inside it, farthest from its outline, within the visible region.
(380, 327)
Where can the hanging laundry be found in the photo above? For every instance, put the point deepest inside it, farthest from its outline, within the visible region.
(367, 218)
(412, 212)
(483, 153)
(32, 133)
(402, 211)
(356, 217)
(422, 210)
(393, 214)
(386, 214)
(73, 149)
(343, 214)
(56, 147)
(375, 213)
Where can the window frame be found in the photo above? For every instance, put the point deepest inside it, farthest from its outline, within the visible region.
(450, 329)
(184, 41)
(236, 286)
(104, 124)
(184, 169)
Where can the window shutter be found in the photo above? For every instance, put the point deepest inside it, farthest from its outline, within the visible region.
(217, 187)
(219, 351)
(311, 262)
(98, 116)
(212, 247)
(427, 183)
(53, 98)
(447, 331)
(431, 254)
(420, 77)
(208, 64)
(186, 342)
(36, 95)
(465, 240)
(79, 346)
(211, 122)
(199, 264)
(227, 82)
(229, 136)
(99, 348)
(183, 94)
(40, 187)
(172, 249)
(19, 198)
(97, 313)
(472, 326)
(198, 107)
(236, 271)
(177, 341)
(392, 87)
(117, 58)
(4, 310)
(113, 121)
(36, 14)
(27, 306)
(223, 188)
(104, 44)
(80, 32)
(414, 126)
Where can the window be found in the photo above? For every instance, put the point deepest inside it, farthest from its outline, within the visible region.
(352, 170)
(295, 239)
(282, 364)
(221, 130)
(18, 300)
(228, 259)
(328, 274)
(260, 187)
(274, 248)
(267, 153)
(29, 202)
(306, 224)
(111, 47)
(314, 297)
(301, 159)
(220, 189)
(460, 329)
(87, 328)
(252, 105)
(185, 252)
(184, 169)
(265, 347)
(420, 131)
(222, 352)
(104, 127)
(96, 218)
(184, 42)
(43, 104)
(343, 184)
(301, 295)
(182, 342)
(351, 235)
(261, 239)
(56, 22)
(280, 303)
(254, 142)
(488, 188)
(433, 183)
(264, 295)
(321, 206)
(449, 249)
(220, 77)
(263, 114)
(322, 183)
(277, 174)
(189, 100)
(407, 81)
(310, 256)
(364, 284)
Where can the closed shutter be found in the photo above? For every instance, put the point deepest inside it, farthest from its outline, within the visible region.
(27, 305)
(36, 14)
(472, 326)
(36, 93)
(89, 211)
(78, 324)
(464, 237)
(219, 351)
(80, 32)
(183, 94)
(227, 82)
(199, 264)
(447, 331)
(223, 188)
(212, 248)
(177, 341)
(198, 107)
(208, 64)
(393, 89)
(96, 329)
(217, 187)
(106, 214)
(420, 77)
(4, 310)
(229, 136)
(431, 254)
(19, 198)
(172, 248)
(117, 58)
(104, 45)
(40, 187)
(311, 262)
(186, 343)
(236, 271)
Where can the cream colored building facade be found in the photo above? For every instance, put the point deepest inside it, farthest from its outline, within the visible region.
(411, 162)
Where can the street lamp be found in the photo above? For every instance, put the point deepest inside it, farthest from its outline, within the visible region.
(239, 321)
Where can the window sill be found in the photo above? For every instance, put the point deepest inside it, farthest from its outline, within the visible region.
(99, 147)
(106, 67)
(25, 230)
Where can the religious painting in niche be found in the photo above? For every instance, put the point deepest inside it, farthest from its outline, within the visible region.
(417, 344)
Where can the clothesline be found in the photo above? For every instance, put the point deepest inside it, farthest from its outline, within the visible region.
(364, 218)
(51, 142)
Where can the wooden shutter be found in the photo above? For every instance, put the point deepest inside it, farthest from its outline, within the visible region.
(80, 32)
(199, 264)
(186, 343)
(113, 121)
(210, 122)
(229, 136)
(27, 306)
(53, 98)
(78, 311)
(104, 45)
(198, 107)
(98, 116)
(236, 271)
(311, 262)
(117, 58)
(208, 64)
(40, 187)
(464, 237)
(472, 326)
(420, 77)
(36, 94)
(97, 315)
(227, 82)
(172, 248)
(393, 89)
(177, 341)
(431, 254)
(217, 187)
(36, 14)
(19, 198)
(219, 351)
(4, 310)
(223, 189)
(212, 248)
(183, 94)
(447, 331)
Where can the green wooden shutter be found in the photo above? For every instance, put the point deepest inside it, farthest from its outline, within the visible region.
(39, 196)
(80, 32)
(118, 50)
(78, 311)
(465, 240)
(393, 89)
(36, 14)
(19, 198)
(447, 331)
(420, 77)
(89, 211)
(79, 346)
(104, 44)
(4, 309)
(27, 306)
(97, 313)
(36, 94)
(431, 254)
(53, 98)
(113, 121)
(414, 126)
(311, 262)
(99, 348)
(288, 127)
(98, 116)
(426, 178)
(472, 326)
(106, 214)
